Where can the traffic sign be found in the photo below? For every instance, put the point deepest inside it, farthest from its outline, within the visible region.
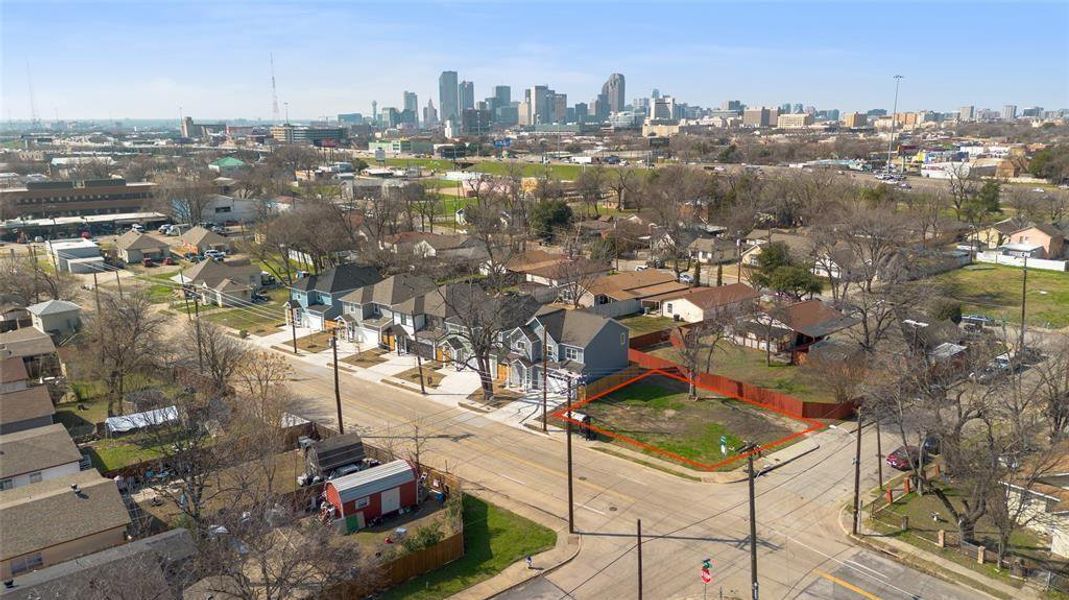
(707, 577)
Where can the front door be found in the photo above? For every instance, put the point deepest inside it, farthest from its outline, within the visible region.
(391, 500)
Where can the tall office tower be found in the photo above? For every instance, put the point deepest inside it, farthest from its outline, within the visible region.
(503, 93)
(560, 108)
(374, 111)
(1009, 112)
(614, 92)
(581, 113)
(541, 98)
(797, 109)
(412, 105)
(656, 93)
(448, 99)
(466, 93)
(735, 105)
(967, 113)
(430, 114)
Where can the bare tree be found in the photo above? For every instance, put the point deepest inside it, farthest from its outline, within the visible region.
(186, 196)
(24, 279)
(589, 184)
(125, 338)
(214, 352)
(697, 345)
(574, 276)
(623, 182)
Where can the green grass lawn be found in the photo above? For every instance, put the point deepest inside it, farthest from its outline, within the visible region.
(640, 324)
(494, 538)
(658, 411)
(749, 365)
(116, 453)
(995, 291)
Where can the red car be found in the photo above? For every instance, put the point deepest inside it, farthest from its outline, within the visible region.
(903, 457)
(168, 261)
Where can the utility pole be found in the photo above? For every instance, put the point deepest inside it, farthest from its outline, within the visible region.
(200, 348)
(419, 367)
(96, 293)
(185, 296)
(545, 379)
(857, 477)
(879, 453)
(751, 448)
(118, 283)
(894, 121)
(639, 534)
(571, 494)
(36, 288)
(1024, 298)
(337, 388)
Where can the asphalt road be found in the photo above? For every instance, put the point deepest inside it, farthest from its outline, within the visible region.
(800, 541)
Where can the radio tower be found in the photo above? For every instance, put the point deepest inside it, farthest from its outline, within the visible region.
(33, 102)
(274, 91)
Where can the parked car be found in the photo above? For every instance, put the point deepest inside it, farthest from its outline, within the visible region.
(903, 457)
(260, 299)
(686, 278)
(147, 262)
(169, 261)
(641, 268)
(86, 235)
(932, 445)
(163, 228)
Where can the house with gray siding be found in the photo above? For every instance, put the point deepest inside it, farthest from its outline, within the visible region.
(315, 300)
(579, 346)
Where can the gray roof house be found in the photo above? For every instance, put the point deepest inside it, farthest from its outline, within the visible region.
(134, 246)
(580, 345)
(94, 518)
(37, 454)
(25, 409)
(58, 318)
(367, 314)
(315, 300)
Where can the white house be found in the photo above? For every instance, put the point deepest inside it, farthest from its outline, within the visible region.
(37, 454)
(702, 303)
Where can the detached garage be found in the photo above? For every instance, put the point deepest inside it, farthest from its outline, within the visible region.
(377, 492)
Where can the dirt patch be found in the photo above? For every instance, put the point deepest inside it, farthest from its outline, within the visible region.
(365, 359)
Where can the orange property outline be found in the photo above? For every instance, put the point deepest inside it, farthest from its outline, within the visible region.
(813, 424)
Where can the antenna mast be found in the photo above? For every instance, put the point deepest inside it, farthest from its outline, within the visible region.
(274, 91)
(34, 120)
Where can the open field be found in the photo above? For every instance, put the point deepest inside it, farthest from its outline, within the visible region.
(494, 538)
(490, 166)
(748, 365)
(995, 291)
(657, 412)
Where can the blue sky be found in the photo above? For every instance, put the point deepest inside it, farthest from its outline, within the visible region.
(147, 59)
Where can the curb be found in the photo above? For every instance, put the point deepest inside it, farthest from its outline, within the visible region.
(771, 468)
(547, 570)
(919, 565)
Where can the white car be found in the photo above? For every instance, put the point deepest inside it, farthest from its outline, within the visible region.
(686, 278)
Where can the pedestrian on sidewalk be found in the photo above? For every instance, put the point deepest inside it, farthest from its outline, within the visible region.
(530, 562)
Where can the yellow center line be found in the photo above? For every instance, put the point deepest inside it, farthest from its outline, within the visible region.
(846, 584)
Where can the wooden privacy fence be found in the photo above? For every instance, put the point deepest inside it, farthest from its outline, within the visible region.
(731, 388)
(599, 386)
(416, 563)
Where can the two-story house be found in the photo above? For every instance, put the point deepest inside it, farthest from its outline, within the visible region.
(315, 301)
(578, 345)
(368, 316)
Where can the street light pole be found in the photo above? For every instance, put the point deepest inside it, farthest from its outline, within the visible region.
(894, 121)
(571, 494)
(337, 387)
(857, 477)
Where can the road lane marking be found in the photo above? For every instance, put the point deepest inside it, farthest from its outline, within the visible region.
(592, 509)
(512, 479)
(846, 584)
(869, 569)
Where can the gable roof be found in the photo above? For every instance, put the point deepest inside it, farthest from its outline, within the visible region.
(135, 240)
(36, 449)
(373, 480)
(211, 273)
(342, 278)
(198, 236)
(707, 298)
(228, 162)
(1045, 228)
(636, 284)
(53, 307)
(33, 402)
(814, 318)
(533, 259)
(29, 514)
(13, 369)
(571, 327)
(392, 290)
(25, 342)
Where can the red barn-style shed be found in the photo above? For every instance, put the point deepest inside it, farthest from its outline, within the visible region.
(376, 492)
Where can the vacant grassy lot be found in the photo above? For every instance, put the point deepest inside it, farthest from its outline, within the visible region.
(260, 319)
(640, 324)
(995, 291)
(494, 538)
(658, 411)
(748, 365)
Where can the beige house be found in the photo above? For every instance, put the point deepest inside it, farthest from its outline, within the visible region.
(220, 283)
(703, 303)
(199, 239)
(1046, 241)
(133, 247)
(58, 520)
(58, 318)
(36, 455)
(996, 234)
(1046, 504)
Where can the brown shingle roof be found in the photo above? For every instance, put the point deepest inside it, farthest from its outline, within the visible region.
(133, 240)
(814, 318)
(44, 514)
(36, 449)
(714, 297)
(199, 236)
(25, 342)
(12, 369)
(634, 284)
(31, 403)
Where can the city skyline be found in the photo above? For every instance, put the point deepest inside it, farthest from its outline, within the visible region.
(87, 75)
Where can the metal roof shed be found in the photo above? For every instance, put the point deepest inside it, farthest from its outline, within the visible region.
(373, 481)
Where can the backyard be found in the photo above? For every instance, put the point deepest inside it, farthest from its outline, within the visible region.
(260, 319)
(750, 366)
(494, 538)
(995, 291)
(657, 412)
(640, 324)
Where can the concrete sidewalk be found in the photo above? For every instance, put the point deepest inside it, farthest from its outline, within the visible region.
(935, 565)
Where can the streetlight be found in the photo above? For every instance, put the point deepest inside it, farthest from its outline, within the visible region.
(894, 121)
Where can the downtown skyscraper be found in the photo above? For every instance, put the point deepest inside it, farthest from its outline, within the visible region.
(448, 96)
(614, 92)
(466, 95)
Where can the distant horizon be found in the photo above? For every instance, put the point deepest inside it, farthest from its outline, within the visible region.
(203, 58)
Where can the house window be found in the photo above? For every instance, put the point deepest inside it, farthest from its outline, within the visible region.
(572, 354)
(35, 477)
(521, 346)
(363, 502)
(668, 307)
(623, 339)
(6, 484)
(26, 563)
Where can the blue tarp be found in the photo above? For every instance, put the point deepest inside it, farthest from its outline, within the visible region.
(149, 418)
